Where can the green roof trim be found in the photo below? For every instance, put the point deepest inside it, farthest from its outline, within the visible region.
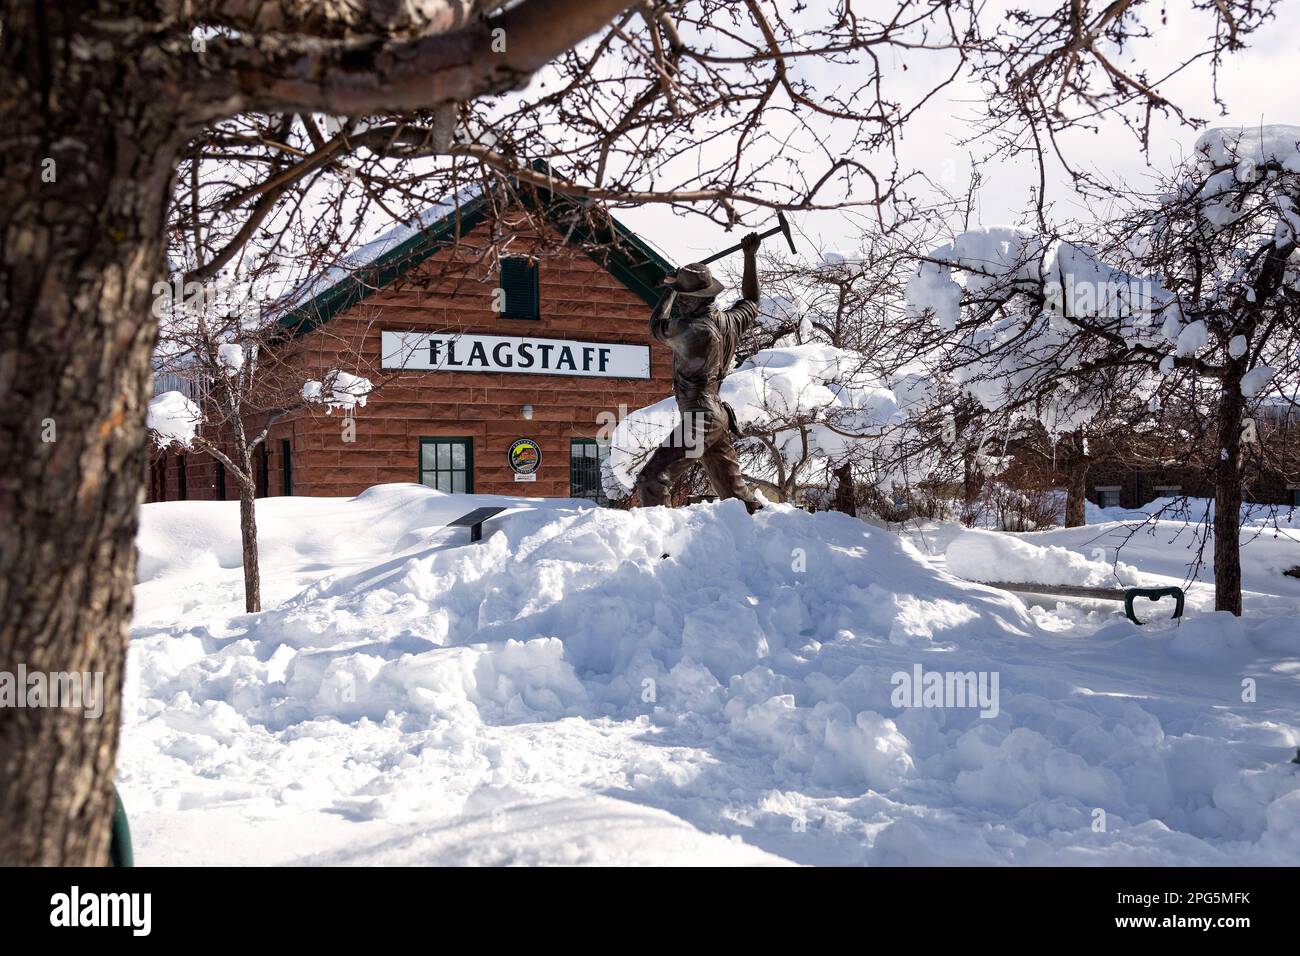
(628, 258)
(611, 244)
(373, 276)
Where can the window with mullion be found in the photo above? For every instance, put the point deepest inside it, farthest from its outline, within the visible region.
(585, 458)
(447, 464)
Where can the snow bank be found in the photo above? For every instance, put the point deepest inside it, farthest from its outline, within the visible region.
(989, 556)
(585, 677)
(1163, 537)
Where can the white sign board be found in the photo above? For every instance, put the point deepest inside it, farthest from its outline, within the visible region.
(465, 352)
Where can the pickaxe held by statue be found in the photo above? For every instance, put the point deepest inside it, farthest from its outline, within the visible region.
(781, 226)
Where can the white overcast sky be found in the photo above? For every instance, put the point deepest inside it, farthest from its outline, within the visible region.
(1258, 86)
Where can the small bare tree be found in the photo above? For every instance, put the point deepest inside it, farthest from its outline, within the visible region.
(241, 373)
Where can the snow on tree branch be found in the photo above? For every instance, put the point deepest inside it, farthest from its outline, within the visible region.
(339, 390)
(173, 418)
(806, 405)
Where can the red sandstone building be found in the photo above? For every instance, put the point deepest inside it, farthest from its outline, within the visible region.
(469, 398)
(496, 400)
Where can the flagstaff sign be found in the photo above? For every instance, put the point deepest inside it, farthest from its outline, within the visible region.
(452, 352)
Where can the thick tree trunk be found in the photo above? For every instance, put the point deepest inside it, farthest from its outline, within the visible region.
(85, 170)
(846, 497)
(1227, 496)
(970, 487)
(1076, 493)
(248, 536)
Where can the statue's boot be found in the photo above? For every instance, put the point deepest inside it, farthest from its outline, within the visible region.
(656, 478)
(705, 434)
(724, 472)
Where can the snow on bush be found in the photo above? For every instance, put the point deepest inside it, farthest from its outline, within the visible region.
(815, 388)
(172, 418)
(841, 258)
(1028, 311)
(1256, 380)
(778, 312)
(988, 258)
(1251, 146)
(1232, 156)
(1014, 350)
(1191, 339)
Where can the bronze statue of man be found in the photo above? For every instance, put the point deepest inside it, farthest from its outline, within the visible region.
(703, 339)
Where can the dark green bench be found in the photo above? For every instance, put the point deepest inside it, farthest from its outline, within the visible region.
(1103, 594)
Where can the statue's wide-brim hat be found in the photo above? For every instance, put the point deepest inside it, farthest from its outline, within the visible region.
(695, 279)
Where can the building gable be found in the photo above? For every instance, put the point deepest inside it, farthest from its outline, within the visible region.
(610, 244)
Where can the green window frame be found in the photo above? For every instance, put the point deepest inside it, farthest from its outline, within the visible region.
(263, 471)
(585, 458)
(519, 288)
(286, 467)
(447, 464)
(159, 475)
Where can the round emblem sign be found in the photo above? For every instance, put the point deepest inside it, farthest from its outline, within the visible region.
(525, 457)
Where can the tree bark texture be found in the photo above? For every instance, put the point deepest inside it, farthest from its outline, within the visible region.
(1076, 493)
(85, 170)
(248, 538)
(1227, 496)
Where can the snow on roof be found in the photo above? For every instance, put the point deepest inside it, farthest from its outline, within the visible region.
(348, 263)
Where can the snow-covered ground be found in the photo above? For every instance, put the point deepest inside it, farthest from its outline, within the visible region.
(687, 686)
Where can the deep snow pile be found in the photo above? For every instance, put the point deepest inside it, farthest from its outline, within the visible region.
(563, 692)
(1155, 545)
(988, 556)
